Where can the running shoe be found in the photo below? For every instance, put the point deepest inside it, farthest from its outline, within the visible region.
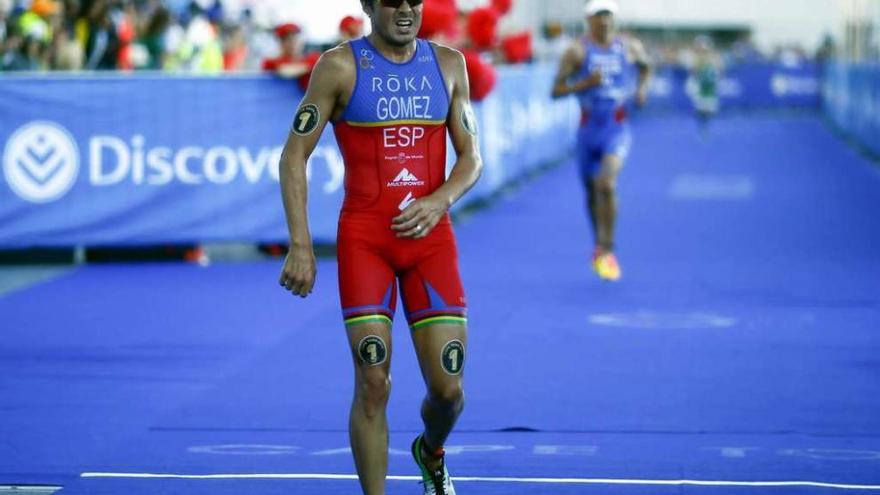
(606, 266)
(597, 253)
(436, 482)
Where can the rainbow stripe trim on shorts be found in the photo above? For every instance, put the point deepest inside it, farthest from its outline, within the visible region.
(382, 313)
(367, 314)
(446, 319)
(439, 313)
(373, 318)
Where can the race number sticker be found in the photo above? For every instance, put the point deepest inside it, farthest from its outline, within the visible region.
(372, 350)
(453, 357)
(469, 120)
(306, 120)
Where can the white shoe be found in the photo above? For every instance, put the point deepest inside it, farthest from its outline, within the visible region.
(435, 482)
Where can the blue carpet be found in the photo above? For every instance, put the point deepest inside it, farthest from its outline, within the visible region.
(741, 344)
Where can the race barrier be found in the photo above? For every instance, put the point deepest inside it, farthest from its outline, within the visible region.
(136, 160)
(851, 100)
(122, 159)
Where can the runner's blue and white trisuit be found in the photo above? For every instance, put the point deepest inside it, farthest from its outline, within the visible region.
(604, 128)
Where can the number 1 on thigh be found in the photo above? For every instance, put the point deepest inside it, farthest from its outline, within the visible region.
(303, 121)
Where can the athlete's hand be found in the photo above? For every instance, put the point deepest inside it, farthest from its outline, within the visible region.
(594, 79)
(298, 273)
(419, 218)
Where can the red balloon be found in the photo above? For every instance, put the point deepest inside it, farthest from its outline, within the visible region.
(438, 16)
(482, 27)
(517, 48)
(502, 6)
(481, 75)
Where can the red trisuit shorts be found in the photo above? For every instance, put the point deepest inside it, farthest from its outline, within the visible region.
(373, 263)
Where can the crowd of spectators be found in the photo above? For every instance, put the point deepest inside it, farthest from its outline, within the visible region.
(199, 37)
(742, 51)
(203, 37)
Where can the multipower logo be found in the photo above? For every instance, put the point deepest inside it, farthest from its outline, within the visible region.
(41, 163)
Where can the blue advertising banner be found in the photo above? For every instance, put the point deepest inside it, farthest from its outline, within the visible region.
(133, 160)
(743, 86)
(851, 99)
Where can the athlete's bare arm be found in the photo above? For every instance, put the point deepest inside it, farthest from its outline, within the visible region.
(640, 58)
(422, 215)
(329, 89)
(570, 64)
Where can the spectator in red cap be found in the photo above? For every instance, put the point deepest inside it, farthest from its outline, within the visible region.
(290, 63)
(350, 28)
(285, 30)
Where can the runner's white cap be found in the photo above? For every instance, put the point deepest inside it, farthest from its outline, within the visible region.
(593, 7)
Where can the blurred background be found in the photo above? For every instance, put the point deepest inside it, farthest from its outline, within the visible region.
(151, 34)
(740, 345)
(126, 66)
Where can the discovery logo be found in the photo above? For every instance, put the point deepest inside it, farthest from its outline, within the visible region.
(114, 161)
(40, 161)
(788, 85)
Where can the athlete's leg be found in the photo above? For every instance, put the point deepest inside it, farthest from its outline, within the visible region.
(435, 306)
(368, 424)
(368, 295)
(588, 161)
(605, 191)
(441, 349)
(707, 106)
(605, 185)
(703, 116)
(590, 191)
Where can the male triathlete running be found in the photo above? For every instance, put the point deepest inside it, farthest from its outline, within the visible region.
(391, 98)
(703, 82)
(597, 70)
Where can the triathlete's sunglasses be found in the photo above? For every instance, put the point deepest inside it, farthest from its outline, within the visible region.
(395, 4)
